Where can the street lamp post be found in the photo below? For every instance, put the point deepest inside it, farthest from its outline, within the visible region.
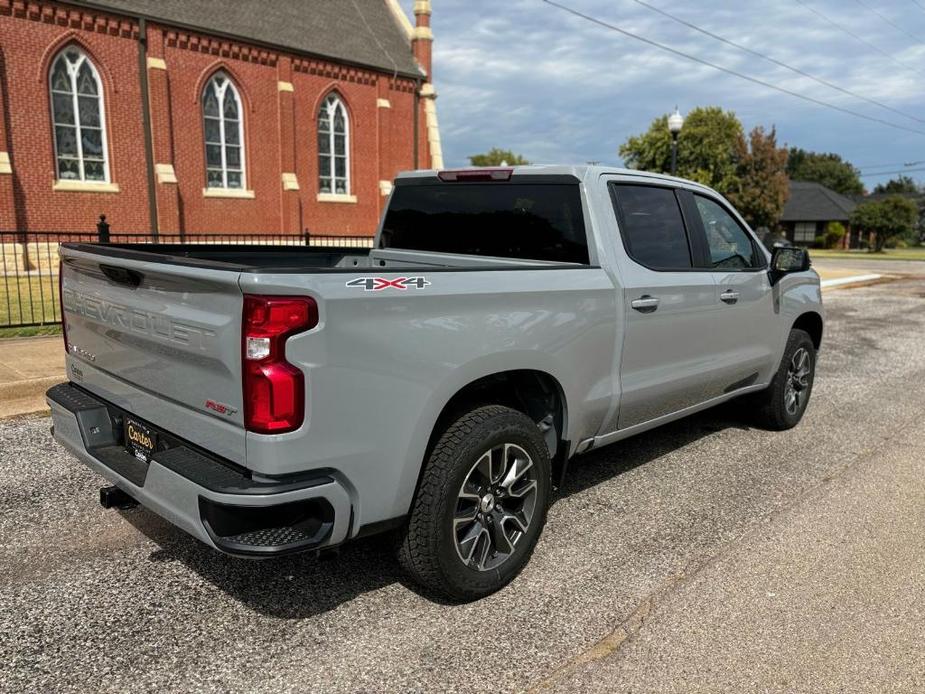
(675, 123)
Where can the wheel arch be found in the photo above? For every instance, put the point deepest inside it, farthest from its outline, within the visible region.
(810, 322)
(525, 390)
(536, 393)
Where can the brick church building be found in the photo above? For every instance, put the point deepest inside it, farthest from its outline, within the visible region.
(204, 116)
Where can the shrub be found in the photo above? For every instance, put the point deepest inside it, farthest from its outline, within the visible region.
(834, 234)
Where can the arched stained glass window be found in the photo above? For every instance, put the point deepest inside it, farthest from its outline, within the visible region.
(333, 147)
(77, 116)
(224, 133)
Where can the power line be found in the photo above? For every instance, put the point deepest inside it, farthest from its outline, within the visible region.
(890, 173)
(729, 71)
(867, 167)
(888, 21)
(858, 38)
(782, 64)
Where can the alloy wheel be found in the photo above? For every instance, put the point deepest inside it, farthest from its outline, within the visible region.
(495, 506)
(798, 372)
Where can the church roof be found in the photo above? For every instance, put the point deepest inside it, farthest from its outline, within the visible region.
(358, 32)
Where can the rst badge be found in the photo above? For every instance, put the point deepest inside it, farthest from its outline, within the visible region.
(220, 407)
(377, 284)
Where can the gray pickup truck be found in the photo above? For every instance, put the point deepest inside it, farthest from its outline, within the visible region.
(275, 399)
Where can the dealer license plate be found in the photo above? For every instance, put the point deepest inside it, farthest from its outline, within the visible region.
(140, 440)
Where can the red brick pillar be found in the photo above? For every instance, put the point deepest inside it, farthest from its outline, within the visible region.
(7, 199)
(289, 183)
(166, 189)
(423, 37)
(383, 138)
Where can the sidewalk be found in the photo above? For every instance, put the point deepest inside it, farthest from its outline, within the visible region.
(28, 367)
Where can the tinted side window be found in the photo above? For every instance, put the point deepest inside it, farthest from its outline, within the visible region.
(652, 227)
(536, 221)
(730, 246)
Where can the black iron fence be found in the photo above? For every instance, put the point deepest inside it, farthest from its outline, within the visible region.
(29, 263)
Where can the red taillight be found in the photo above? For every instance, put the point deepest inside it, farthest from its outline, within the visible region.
(274, 390)
(450, 176)
(67, 347)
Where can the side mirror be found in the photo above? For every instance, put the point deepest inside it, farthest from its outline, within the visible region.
(786, 259)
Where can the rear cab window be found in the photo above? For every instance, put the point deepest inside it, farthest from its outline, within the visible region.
(505, 219)
(652, 226)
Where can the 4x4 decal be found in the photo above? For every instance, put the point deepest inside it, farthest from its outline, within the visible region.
(377, 284)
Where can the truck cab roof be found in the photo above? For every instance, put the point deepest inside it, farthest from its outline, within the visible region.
(583, 172)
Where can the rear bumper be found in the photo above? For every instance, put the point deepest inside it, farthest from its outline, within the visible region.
(217, 502)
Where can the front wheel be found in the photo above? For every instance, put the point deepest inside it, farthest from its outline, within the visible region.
(782, 405)
(481, 505)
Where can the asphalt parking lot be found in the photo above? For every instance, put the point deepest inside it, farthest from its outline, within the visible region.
(659, 555)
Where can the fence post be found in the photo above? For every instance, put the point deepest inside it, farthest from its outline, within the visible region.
(102, 229)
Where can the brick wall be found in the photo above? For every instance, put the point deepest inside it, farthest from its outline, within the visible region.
(280, 94)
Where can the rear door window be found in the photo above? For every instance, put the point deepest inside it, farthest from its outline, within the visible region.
(534, 221)
(652, 227)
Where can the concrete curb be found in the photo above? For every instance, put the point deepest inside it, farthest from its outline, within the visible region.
(854, 279)
(25, 397)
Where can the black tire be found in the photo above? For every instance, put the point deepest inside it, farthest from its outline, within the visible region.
(775, 408)
(430, 549)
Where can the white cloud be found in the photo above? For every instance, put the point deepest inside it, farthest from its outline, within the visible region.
(525, 75)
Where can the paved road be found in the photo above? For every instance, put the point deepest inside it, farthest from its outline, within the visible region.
(665, 546)
(828, 596)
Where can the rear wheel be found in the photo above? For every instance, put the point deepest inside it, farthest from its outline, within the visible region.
(481, 505)
(782, 405)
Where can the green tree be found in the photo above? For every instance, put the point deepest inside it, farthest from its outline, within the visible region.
(706, 147)
(903, 184)
(888, 218)
(828, 169)
(497, 157)
(761, 187)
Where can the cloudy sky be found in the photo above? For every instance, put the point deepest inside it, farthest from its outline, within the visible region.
(525, 75)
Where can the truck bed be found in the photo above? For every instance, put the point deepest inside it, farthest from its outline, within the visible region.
(234, 257)
(299, 259)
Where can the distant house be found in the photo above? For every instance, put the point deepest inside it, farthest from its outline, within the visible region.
(810, 207)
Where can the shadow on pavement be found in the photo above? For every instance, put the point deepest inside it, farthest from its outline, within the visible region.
(304, 585)
(606, 463)
(293, 587)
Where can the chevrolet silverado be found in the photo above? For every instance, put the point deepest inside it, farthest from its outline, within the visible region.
(269, 399)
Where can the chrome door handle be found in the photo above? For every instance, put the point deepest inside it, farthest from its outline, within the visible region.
(729, 296)
(645, 303)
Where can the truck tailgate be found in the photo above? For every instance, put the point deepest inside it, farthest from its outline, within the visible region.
(162, 341)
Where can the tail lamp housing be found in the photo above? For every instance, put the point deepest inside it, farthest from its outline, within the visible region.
(274, 389)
